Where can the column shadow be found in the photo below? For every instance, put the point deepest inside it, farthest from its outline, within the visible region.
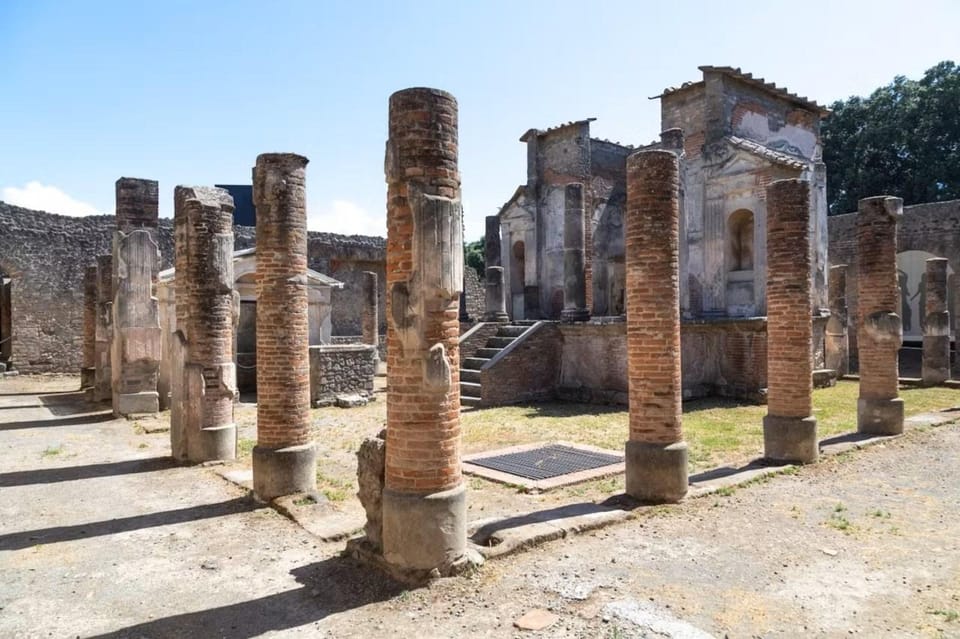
(71, 473)
(73, 420)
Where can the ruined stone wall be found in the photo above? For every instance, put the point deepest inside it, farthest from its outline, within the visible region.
(340, 369)
(345, 258)
(528, 372)
(605, 201)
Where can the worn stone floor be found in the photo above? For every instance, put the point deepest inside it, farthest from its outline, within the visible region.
(101, 536)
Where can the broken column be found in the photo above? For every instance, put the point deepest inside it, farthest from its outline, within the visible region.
(284, 459)
(837, 343)
(204, 395)
(936, 329)
(574, 256)
(103, 376)
(789, 428)
(136, 310)
(371, 316)
(424, 499)
(879, 328)
(496, 301)
(656, 455)
(89, 368)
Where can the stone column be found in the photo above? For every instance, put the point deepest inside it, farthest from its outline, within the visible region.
(103, 376)
(424, 502)
(491, 242)
(936, 329)
(371, 316)
(574, 255)
(88, 370)
(136, 312)
(656, 455)
(285, 458)
(205, 393)
(496, 301)
(837, 345)
(789, 428)
(879, 328)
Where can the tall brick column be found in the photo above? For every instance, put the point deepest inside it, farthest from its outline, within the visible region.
(936, 329)
(424, 503)
(285, 458)
(136, 311)
(837, 345)
(494, 284)
(88, 371)
(789, 428)
(574, 256)
(103, 376)
(656, 455)
(371, 315)
(205, 393)
(879, 328)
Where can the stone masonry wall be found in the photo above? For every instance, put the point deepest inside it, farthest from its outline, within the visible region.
(529, 372)
(340, 369)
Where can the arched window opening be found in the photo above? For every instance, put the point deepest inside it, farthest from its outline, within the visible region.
(740, 241)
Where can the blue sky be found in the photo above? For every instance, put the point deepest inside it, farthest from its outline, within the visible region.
(190, 92)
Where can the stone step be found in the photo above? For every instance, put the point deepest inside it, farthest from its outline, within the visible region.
(469, 401)
(469, 375)
(474, 363)
(499, 342)
(487, 353)
(470, 389)
(511, 331)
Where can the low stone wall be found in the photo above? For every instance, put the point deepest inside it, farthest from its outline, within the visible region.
(340, 369)
(593, 368)
(358, 339)
(476, 337)
(526, 371)
(725, 357)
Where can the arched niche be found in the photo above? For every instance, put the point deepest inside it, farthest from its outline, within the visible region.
(739, 261)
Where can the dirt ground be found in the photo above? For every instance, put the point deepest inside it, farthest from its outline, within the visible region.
(101, 536)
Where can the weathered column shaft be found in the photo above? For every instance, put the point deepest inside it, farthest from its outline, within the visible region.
(203, 219)
(656, 455)
(495, 295)
(879, 328)
(136, 312)
(424, 507)
(491, 242)
(936, 329)
(789, 428)
(88, 370)
(284, 459)
(103, 376)
(371, 315)
(574, 243)
(837, 343)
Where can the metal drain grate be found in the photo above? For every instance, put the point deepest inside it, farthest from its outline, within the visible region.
(547, 462)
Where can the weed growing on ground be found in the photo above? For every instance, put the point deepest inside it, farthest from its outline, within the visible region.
(245, 446)
(948, 615)
(52, 451)
(726, 491)
(334, 488)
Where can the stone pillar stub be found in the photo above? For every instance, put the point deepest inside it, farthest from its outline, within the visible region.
(491, 242)
(879, 328)
(424, 506)
(656, 455)
(574, 257)
(284, 459)
(495, 295)
(103, 377)
(789, 428)
(204, 396)
(371, 315)
(837, 341)
(89, 367)
(936, 328)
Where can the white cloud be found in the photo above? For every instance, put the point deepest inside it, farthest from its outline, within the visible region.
(347, 218)
(45, 197)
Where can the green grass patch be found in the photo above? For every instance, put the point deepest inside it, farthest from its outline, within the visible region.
(334, 488)
(948, 615)
(52, 451)
(245, 447)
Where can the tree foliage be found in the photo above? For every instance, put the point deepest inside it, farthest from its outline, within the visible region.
(473, 256)
(903, 140)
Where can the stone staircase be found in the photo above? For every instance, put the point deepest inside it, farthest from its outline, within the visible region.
(470, 392)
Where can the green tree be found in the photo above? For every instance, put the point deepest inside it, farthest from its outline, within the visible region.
(903, 140)
(473, 256)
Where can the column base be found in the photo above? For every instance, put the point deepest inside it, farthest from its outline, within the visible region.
(284, 471)
(137, 403)
(880, 416)
(656, 473)
(790, 439)
(936, 359)
(574, 315)
(425, 532)
(218, 443)
(499, 318)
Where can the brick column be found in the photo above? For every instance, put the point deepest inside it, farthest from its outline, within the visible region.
(102, 376)
(936, 329)
(135, 351)
(285, 458)
(789, 428)
(879, 328)
(574, 255)
(837, 345)
(88, 370)
(205, 392)
(424, 503)
(656, 455)
(371, 316)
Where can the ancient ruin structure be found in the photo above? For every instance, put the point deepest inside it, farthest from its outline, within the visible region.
(103, 376)
(574, 256)
(424, 499)
(936, 329)
(789, 428)
(135, 350)
(284, 459)
(88, 370)
(203, 384)
(496, 309)
(656, 455)
(879, 409)
(836, 345)
(371, 321)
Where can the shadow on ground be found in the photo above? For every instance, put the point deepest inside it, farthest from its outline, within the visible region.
(71, 473)
(72, 420)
